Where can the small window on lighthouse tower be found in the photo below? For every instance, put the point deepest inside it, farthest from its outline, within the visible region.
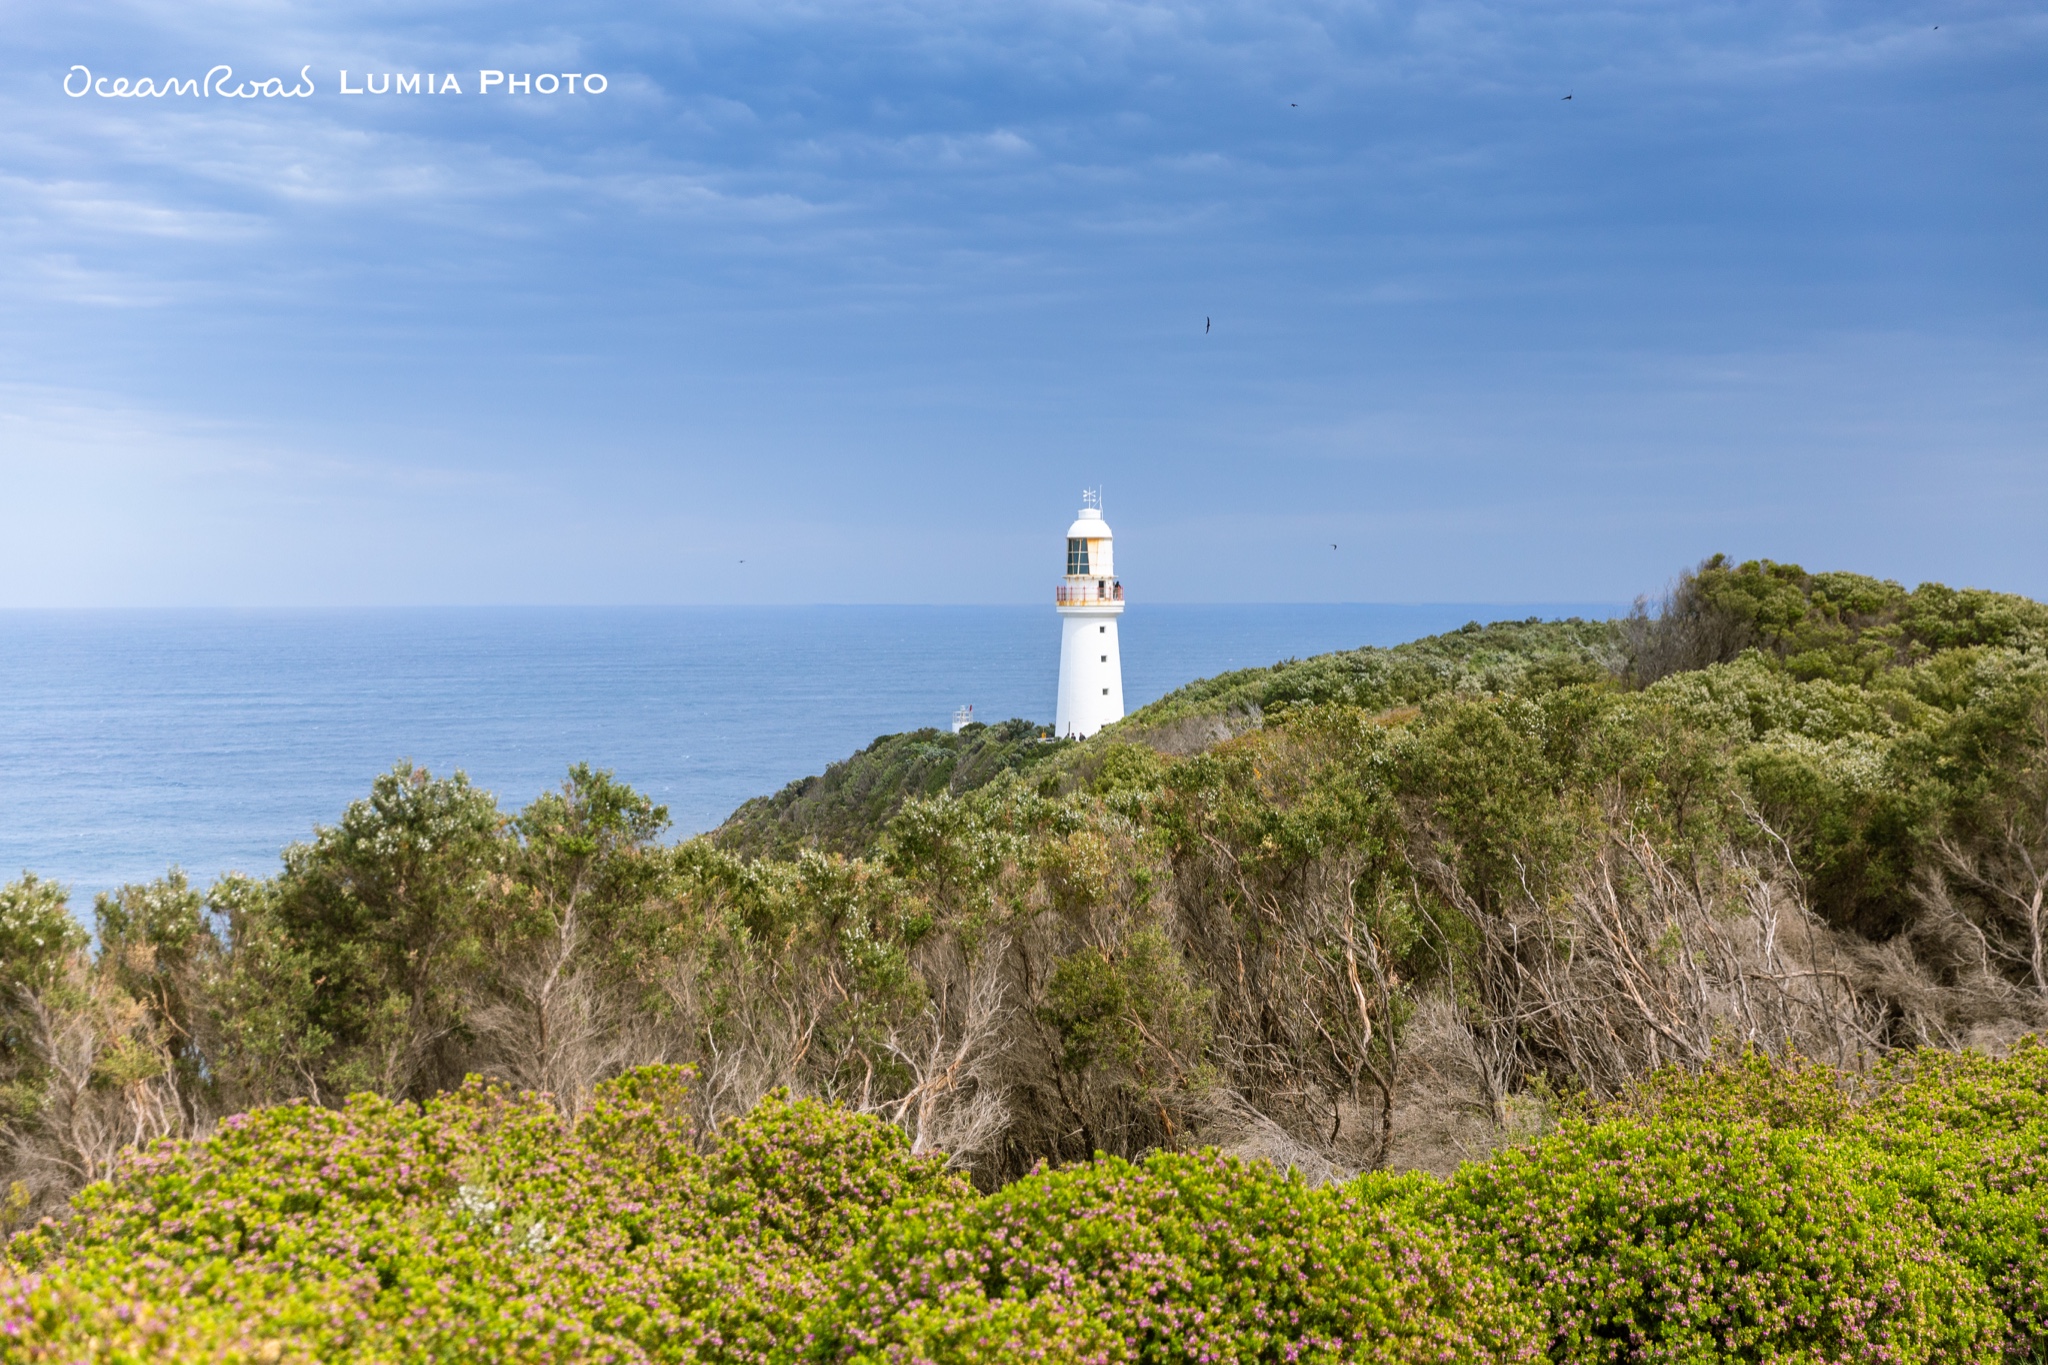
(1077, 556)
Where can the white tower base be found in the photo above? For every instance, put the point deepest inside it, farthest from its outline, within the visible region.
(1091, 670)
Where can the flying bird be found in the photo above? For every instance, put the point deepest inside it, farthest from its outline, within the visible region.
(1567, 96)
(1333, 547)
(1207, 323)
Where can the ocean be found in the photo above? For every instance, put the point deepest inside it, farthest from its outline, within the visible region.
(134, 740)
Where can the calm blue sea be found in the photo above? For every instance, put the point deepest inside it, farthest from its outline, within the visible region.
(130, 741)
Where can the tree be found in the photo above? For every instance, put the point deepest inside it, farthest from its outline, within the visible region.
(554, 1003)
(38, 938)
(86, 1066)
(156, 946)
(1991, 760)
(382, 918)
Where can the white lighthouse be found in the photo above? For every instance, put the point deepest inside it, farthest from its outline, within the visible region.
(1089, 600)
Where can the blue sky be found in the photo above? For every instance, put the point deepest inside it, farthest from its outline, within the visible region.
(864, 294)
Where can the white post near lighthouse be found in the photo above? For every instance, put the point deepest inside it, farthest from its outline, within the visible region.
(1089, 600)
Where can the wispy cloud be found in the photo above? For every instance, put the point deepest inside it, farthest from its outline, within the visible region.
(821, 263)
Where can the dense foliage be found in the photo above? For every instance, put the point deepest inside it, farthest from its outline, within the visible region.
(481, 1225)
(842, 809)
(971, 1016)
(1960, 1135)
(1752, 1212)
(1360, 909)
(1508, 656)
(1718, 1241)
(1380, 910)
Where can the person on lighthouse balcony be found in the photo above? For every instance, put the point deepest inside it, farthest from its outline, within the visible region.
(1089, 600)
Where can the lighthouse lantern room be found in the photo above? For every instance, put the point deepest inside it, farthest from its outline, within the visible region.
(1089, 600)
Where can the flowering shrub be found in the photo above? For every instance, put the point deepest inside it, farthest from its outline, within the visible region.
(1753, 1214)
(477, 1226)
(1961, 1134)
(1966, 1137)
(1178, 1258)
(1730, 1241)
(817, 1175)
(304, 1233)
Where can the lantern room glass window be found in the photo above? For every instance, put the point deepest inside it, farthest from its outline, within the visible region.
(1077, 556)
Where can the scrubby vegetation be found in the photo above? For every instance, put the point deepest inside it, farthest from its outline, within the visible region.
(1748, 1212)
(1382, 911)
(844, 808)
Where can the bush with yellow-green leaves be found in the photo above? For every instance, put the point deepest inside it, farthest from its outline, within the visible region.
(1755, 1213)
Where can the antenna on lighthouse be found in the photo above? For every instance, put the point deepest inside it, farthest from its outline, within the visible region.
(1092, 497)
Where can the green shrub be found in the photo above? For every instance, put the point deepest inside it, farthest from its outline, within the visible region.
(1755, 1212)
(816, 1175)
(1963, 1135)
(299, 1232)
(476, 1227)
(1966, 1137)
(1783, 1094)
(1732, 1241)
(1178, 1258)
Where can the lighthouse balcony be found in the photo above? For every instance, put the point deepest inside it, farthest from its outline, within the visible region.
(1100, 592)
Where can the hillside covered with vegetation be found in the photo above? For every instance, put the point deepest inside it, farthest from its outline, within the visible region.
(844, 809)
(1650, 948)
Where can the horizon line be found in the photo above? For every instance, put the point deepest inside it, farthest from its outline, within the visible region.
(253, 609)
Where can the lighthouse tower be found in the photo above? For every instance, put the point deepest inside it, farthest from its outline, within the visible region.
(1089, 600)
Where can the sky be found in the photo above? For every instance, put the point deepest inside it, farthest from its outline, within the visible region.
(1520, 301)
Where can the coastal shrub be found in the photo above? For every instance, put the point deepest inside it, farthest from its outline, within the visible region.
(1961, 1134)
(643, 1130)
(478, 1226)
(1732, 1241)
(1752, 1212)
(1178, 1258)
(305, 1233)
(1966, 1137)
(1792, 1093)
(38, 939)
(817, 1175)
(481, 1226)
